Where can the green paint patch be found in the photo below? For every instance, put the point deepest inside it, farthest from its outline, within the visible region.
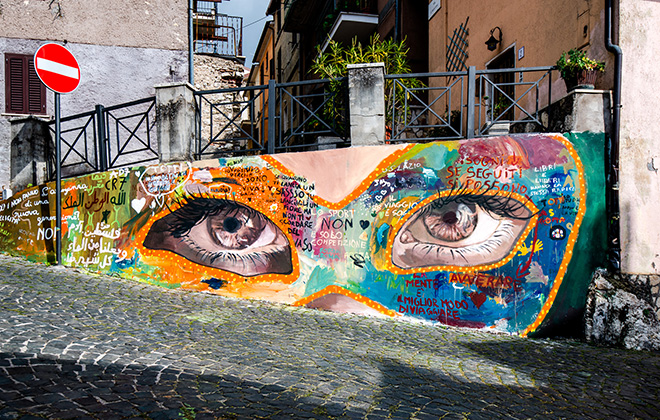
(319, 279)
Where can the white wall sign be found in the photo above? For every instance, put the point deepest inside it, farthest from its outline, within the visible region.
(521, 53)
(434, 6)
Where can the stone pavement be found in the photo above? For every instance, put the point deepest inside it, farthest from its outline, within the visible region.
(74, 345)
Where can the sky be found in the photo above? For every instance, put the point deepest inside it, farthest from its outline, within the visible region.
(251, 11)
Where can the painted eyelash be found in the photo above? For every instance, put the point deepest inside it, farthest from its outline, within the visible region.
(191, 209)
(504, 206)
(253, 259)
(486, 247)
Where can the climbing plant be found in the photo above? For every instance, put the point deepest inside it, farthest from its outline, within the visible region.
(332, 63)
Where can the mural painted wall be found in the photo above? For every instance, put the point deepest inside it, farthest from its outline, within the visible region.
(476, 233)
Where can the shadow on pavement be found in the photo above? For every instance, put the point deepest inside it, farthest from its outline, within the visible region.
(605, 382)
(57, 388)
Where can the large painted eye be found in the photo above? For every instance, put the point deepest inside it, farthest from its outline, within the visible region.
(453, 222)
(462, 230)
(225, 235)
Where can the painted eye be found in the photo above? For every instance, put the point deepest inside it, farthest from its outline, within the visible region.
(464, 230)
(225, 235)
(452, 222)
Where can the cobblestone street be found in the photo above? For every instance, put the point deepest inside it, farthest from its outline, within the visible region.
(80, 346)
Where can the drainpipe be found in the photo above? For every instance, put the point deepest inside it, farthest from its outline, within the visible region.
(396, 21)
(612, 152)
(191, 60)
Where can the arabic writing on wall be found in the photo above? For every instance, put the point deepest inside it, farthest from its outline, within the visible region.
(475, 233)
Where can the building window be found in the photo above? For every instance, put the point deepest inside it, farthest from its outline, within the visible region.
(24, 92)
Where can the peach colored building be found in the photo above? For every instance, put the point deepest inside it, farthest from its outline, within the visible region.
(535, 33)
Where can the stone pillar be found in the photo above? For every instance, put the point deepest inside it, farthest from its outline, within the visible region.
(31, 146)
(366, 91)
(579, 111)
(591, 110)
(175, 121)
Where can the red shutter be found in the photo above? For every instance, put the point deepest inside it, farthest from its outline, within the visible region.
(24, 92)
(15, 88)
(36, 91)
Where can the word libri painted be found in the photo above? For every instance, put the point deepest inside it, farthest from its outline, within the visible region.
(476, 233)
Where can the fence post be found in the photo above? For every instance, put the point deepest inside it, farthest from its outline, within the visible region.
(472, 89)
(175, 121)
(271, 117)
(366, 93)
(101, 144)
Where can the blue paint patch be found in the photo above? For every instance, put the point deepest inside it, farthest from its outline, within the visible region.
(126, 263)
(381, 236)
(215, 284)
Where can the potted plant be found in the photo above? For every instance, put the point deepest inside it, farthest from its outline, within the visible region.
(578, 70)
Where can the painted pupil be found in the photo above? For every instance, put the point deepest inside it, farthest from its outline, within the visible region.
(450, 218)
(452, 222)
(231, 224)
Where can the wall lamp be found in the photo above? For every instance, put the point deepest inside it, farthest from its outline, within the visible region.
(492, 41)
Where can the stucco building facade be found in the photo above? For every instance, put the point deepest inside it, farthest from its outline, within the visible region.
(124, 48)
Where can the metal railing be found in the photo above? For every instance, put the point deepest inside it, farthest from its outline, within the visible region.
(311, 115)
(467, 103)
(273, 118)
(130, 133)
(230, 121)
(107, 138)
(428, 112)
(80, 151)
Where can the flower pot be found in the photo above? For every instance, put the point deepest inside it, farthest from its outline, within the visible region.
(585, 79)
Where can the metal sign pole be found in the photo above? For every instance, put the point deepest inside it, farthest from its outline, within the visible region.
(58, 181)
(58, 69)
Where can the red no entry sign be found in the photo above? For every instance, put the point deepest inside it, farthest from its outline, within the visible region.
(57, 68)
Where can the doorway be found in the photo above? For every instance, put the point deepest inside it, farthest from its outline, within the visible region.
(504, 85)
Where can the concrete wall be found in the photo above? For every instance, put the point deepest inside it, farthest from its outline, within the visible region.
(159, 24)
(475, 233)
(640, 137)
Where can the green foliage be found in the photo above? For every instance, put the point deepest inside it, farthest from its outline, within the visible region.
(333, 63)
(500, 105)
(187, 412)
(571, 63)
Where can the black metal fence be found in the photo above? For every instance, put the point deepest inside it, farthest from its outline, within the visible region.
(464, 104)
(273, 118)
(107, 138)
(312, 115)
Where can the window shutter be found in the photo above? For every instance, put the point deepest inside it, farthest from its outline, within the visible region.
(15, 90)
(24, 92)
(36, 91)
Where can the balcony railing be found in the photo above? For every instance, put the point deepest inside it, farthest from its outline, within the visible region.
(216, 33)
